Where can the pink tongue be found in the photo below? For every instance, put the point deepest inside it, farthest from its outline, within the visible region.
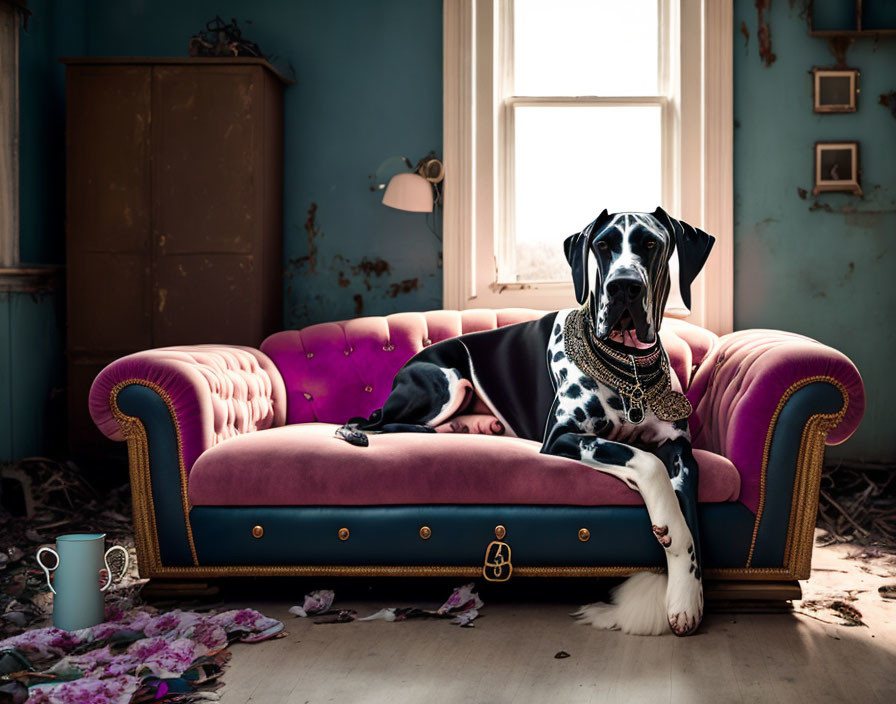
(628, 338)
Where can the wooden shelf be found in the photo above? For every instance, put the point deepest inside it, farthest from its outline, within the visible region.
(856, 33)
(852, 33)
(173, 60)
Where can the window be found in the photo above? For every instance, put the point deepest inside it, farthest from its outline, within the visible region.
(580, 123)
(556, 110)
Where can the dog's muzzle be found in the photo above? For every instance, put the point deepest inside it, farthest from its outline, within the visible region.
(625, 298)
(623, 290)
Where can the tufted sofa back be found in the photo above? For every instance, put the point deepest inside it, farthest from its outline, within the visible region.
(334, 371)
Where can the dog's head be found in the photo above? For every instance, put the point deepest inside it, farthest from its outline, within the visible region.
(631, 253)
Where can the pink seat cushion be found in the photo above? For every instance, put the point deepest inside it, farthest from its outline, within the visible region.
(305, 465)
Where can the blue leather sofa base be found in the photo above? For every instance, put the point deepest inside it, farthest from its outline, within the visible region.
(389, 535)
(537, 535)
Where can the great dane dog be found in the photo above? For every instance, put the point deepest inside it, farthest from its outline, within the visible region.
(592, 384)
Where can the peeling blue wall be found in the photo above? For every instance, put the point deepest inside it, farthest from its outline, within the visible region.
(56, 28)
(819, 265)
(368, 86)
(32, 324)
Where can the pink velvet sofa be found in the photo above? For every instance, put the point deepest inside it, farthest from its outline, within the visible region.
(235, 470)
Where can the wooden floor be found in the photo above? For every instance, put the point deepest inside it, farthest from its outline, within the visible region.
(509, 655)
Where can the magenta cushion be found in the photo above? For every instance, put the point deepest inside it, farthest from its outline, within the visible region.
(305, 465)
(738, 389)
(334, 371)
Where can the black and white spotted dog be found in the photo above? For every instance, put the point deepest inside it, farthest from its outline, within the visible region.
(568, 380)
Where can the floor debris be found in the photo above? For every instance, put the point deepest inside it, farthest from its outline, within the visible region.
(858, 504)
(315, 603)
(61, 501)
(462, 607)
(138, 654)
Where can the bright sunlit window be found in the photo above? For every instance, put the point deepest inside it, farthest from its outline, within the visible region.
(581, 124)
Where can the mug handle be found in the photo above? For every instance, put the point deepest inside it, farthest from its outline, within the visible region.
(46, 569)
(109, 571)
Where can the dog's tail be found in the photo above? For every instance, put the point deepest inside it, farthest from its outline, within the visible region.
(637, 606)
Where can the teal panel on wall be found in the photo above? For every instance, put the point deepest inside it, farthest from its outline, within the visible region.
(55, 29)
(31, 393)
(368, 86)
(817, 265)
(5, 380)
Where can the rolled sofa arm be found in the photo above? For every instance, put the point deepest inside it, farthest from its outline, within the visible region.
(769, 401)
(171, 405)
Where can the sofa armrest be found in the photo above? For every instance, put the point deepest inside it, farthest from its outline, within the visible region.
(213, 392)
(171, 405)
(769, 401)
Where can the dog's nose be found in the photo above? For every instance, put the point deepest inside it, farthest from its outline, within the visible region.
(631, 288)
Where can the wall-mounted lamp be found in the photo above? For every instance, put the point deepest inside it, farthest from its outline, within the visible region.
(419, 190)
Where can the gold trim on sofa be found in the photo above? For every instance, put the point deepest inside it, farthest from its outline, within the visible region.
(145, 531)
(798, 552)
(797, 549)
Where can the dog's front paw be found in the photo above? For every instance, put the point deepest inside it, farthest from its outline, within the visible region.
(684, 597)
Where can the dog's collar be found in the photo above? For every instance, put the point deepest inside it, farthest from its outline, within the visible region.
(638, 384)
(614, 350)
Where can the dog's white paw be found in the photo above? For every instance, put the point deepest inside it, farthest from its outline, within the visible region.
(684, 594)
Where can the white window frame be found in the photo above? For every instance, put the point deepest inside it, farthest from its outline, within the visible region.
(697, 160)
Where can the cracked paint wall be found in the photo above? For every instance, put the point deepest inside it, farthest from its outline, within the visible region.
(32, 324)
(368, 86)
(819, 265)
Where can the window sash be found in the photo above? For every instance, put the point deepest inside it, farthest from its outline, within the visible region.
(505, 238)
(700, 70)
(507, 102)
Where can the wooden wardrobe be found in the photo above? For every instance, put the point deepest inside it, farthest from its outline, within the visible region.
(174, 209)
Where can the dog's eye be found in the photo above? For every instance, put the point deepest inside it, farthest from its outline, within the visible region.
(602, 246)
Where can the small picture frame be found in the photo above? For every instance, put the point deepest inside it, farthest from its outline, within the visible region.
(837, 167)
(835, 89)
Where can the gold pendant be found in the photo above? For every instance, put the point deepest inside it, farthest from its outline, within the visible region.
(634, 406)
(672, 406)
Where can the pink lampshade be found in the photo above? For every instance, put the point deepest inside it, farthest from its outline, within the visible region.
(409, 192)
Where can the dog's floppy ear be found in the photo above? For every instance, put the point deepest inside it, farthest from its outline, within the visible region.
(694, 246)
(576, 248)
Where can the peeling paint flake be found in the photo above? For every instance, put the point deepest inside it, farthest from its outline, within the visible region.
(838, 47)
(377, 267)
(405, 286)
(888, 100)
(367, 268)
(313, 231)
(763, 33)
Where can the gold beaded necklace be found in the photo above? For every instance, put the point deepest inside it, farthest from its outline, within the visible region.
(654, 391)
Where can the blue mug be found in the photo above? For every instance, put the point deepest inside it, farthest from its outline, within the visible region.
(78, 600)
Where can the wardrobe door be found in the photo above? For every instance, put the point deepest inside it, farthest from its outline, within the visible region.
(108, 227)
(207, 205)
